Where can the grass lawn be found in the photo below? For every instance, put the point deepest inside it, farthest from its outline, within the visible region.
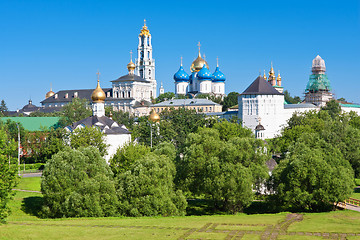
(23, 224)
(30, 183)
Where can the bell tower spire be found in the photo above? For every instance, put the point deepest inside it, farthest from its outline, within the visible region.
(145, 64)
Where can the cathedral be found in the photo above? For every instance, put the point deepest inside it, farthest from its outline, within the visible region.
(132, 92)
(201, 80)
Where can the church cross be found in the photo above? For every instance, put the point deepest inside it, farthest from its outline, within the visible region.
(131, 55)
(181, 60)
(199, 45)
(217, 61)
(98, 75)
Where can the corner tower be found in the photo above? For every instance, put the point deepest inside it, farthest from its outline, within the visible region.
(145, 64)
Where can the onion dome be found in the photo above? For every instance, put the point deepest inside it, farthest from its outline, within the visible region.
(204, 73)
(98, 95)
(259, 127)
(198, 64)
(218, 76)
(318, 65)
(49, 94)
(181, 75)
(154, 117)
(131, 66)
(144, 31)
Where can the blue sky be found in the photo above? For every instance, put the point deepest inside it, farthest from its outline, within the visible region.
(66, 42)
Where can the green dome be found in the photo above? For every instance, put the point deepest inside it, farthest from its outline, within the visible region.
(318, 82)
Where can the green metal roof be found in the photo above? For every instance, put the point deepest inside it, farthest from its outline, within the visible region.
(350, 105)
(34, 123)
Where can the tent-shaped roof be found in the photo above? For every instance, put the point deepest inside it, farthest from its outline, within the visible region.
(261, 87)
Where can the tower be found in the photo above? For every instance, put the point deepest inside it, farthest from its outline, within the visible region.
(318, 88)
(145, 64)
(98, 98)
(161, 89)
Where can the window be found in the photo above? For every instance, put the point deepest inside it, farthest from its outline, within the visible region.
(123, 95)
(141, 73)
(129, 94)
(149, 54)
(149, 73)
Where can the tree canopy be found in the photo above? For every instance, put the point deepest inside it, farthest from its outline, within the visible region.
(78, 183)
(230, 100)
(75, 111)
(8, 177)
(222, 166)
(312, 176)
(88, 136)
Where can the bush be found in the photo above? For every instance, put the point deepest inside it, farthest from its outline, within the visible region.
(147, 188)
(78, 183)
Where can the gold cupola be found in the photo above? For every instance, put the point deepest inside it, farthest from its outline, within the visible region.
(278, 79)
(264, 75)
(144, 31)
(49, 93)
(131, 66)
(98, 95)
(154, 117)
(198, 63)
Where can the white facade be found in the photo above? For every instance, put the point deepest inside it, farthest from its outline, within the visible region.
(181, 88)
(115, 141)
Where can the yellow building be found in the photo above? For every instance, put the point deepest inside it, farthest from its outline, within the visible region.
(199, 105)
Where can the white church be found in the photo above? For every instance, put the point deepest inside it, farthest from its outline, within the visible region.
(263, 109)
(130, 93)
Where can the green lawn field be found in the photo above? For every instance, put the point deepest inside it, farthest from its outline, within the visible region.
(23, 224)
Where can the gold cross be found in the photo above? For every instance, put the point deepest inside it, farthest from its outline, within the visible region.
(217, 61)
(131, 55)
(144, 22)
(98, 75)
(199, 45)
(181, 60)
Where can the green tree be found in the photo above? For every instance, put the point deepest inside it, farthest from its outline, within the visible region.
(88, 136)
(333, 108)
(126, 156)
(292, 100)
(8, 177)
(147, 188)
(75, 111)
(54, 142)
(3, 108)
(230, 100)
(78, 183)
(165, 96)
(121, 117)
(223, 169)
(312, 177)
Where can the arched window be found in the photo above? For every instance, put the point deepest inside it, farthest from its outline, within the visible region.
(151, 94)
(149, 54)
(149, 73)
(123, 94)
(129, 94)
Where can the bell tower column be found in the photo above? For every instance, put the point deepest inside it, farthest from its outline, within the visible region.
(145, 64)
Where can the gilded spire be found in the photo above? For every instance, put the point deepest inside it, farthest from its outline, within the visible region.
(144, 31)
(131, 66)
(264, 75)
(98, 95)
(199, 45)
(49, 93)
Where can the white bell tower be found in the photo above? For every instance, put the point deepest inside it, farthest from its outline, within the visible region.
(145, 64)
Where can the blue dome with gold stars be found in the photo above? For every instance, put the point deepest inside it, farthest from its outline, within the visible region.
(218, 76)
(204, 74)
(181, 75)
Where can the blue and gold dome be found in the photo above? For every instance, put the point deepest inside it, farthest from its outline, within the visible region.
(181, 75)
(218, 76)
(204, 74)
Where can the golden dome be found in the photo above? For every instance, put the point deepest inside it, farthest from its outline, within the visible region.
(49, 94)
(131, 65)
(98, 95)
(264, 75)
(144, 31)
(154, 117)
(279, 77)
(198, 64)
